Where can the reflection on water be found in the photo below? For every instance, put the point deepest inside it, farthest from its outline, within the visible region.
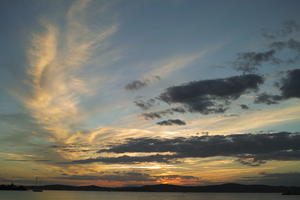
(87, 195)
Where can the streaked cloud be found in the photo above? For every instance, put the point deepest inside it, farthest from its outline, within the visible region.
(249, 149)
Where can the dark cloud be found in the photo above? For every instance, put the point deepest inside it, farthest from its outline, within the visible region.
(252, 162)
(145, 105)
(178, 110)
(248, 62)
(171, 122)
(139, 84)
(244, 106)
(267, 99)
(250, 149)
(211, 96)
(136, 85)
(290, 44)
(289, 88)
(152, 115)
(162, 113)
(288, 27)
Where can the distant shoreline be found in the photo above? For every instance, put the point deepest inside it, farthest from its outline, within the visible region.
(223, 188)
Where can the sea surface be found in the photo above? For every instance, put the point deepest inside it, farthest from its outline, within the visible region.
(91, 195)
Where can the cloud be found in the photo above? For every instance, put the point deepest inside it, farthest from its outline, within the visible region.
(139, 84)
(211, 96)
(291, 44)
(55, 59)
(249, 149)
(289, 88)
(244, 107)
(171, 122)
(249, 61)
(145, 104)
(288, 27)
(168, 66)
(267, 99)
(160, 114)
(164, 68)
(14, 160)
(128, 159)
(252, 162)
(135, 85)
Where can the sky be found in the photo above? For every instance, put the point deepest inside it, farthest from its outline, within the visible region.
(121, 93)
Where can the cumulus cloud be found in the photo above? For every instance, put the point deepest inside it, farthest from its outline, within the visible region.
(171, 122)
(211, 96)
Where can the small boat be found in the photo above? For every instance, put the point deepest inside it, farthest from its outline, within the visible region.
(36, 184)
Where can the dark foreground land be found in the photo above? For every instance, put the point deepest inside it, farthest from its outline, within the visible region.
(229, 187)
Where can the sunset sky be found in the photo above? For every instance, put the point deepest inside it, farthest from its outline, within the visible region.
(134, 92)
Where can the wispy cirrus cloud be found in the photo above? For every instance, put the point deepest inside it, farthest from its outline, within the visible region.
(166, 67)
(55, 59)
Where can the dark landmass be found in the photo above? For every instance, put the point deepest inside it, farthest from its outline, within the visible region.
(12, 187)
(226, 188)
(291, 192)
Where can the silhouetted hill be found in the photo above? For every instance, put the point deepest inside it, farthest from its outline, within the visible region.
(229, 187)
(70, 187)
(12, 187)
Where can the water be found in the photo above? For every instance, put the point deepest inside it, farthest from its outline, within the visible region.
(87, 195)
